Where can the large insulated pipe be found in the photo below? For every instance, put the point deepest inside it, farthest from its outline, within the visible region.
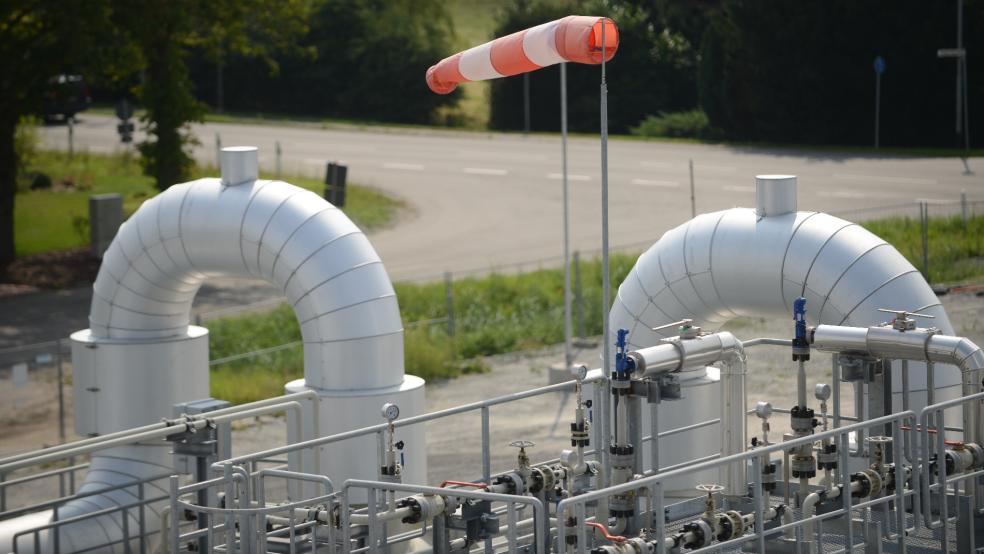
(920, 345)
(141, 355)
(755, 262)
(683, 354)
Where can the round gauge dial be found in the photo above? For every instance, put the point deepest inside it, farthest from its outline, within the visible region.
(390, 411)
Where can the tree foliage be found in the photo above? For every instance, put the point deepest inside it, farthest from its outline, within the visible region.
(362, 59)
(40, 39)
(763, 70)
(654, 70)
(802, 72)
(166, 32)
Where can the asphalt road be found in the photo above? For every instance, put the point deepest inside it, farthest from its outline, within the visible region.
(484, 200)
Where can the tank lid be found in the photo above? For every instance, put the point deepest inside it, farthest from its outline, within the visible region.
(239, 164)
(775, 195)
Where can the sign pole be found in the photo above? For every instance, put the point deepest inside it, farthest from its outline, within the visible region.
(879, 69)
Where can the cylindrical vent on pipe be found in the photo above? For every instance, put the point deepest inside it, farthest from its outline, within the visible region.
(775, 195)
(239, 164)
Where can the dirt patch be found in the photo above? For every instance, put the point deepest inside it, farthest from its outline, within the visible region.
(50, 270)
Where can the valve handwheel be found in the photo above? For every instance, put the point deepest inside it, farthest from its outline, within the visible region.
(522, 444)
(710, 488)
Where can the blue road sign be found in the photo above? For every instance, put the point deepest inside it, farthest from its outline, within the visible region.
(879, 65)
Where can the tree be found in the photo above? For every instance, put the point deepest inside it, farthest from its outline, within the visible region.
(40, 39)
(371, 56)
(165, 32)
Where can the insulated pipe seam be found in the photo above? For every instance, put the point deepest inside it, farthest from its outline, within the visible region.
(347, 306)
(333, 341)
(710, 264)
(813, 262)
(266, 226)
(280, 251)
(686, 267)
(313, 254)
(785, 255)
(666, 281)
(333, 277)
(181, 240)
(881, 286)
(826, 296)
(242, 224)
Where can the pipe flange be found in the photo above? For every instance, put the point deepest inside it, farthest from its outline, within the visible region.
(978, 453)
(873, 482)
(702, 533)
(737, 523)
(545, 480)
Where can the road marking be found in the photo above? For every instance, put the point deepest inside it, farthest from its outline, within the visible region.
(739, 188)
(886, 179)
(841, 194)
(485, 171)
(570, 176)
(652, 183)
(398, 165)
(700, 167)
(934, 200)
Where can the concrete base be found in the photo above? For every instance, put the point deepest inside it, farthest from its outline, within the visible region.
(346, 410)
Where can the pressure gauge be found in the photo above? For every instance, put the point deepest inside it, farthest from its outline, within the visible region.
(822, 392)
(580, 371)
(763, 409)
(390, 411)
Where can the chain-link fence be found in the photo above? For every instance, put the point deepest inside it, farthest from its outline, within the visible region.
(35, 380)
(36, 395)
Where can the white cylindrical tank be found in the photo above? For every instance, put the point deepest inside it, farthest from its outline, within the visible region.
(745, 262)
(140, 356)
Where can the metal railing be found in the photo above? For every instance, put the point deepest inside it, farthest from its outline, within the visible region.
(653, 488)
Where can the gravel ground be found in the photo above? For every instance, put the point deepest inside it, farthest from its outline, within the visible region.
(454, 445)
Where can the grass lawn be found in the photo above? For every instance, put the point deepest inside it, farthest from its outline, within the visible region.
(955, 250)
(57, 219)
(505, 313)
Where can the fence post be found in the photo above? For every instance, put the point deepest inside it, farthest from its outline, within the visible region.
(693, 197)
(578, 307)
(449, 301)
(924, 223)
(61, 391)
(278, 166)
(218, 151)
(963, 206)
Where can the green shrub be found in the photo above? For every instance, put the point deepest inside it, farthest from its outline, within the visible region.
(686, 124)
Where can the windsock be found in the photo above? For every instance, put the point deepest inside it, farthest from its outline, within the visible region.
(575, 38)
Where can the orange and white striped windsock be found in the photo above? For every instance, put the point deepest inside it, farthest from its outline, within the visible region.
(575, 38)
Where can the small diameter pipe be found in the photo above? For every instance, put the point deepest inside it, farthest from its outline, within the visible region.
(464, 484)
(70, 446)
(604, 532)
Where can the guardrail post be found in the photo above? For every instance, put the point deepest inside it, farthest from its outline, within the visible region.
(61, 391)
(449, 304)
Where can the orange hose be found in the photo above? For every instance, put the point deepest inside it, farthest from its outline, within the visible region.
(950, 442)
(604, 532)
(465, 484)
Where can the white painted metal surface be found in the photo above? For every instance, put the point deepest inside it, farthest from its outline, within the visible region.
(738, 262)
(143, 356)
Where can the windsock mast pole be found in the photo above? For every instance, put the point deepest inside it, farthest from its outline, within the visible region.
(605, 286)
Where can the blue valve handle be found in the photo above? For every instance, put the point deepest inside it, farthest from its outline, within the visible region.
(801, 346)
(623, 364)
(799, 316)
